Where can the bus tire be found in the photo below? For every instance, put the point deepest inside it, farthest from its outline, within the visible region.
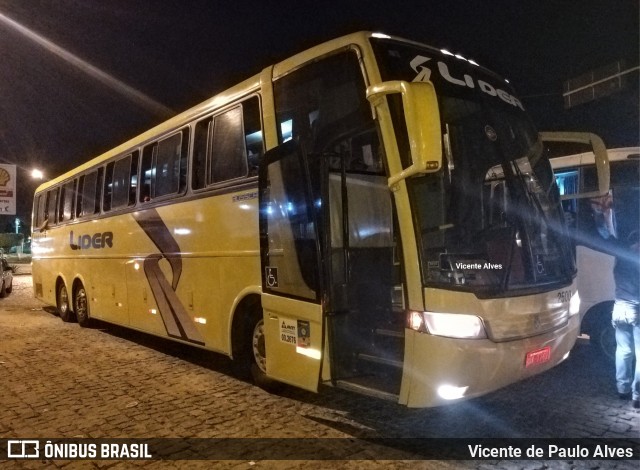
(257, 355)
(81, 305)
(62, 303)
(607, 342)
(601, 332)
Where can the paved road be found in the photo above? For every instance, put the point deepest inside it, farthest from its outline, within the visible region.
(60, 380)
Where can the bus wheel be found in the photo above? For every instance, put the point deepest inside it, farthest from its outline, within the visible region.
(606, 341)
(258, 356)
(258, 350)
(62, 302)
(81, 306)
(601, 331)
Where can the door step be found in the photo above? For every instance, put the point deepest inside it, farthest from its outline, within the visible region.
(380, 360)
(389, 333)
(365, 386)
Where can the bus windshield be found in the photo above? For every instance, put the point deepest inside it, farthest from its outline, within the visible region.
(489, 221)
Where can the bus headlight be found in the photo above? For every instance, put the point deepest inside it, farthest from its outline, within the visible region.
(574, 304)
(452, 325)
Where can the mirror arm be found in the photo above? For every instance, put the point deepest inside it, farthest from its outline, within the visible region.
(599, 152)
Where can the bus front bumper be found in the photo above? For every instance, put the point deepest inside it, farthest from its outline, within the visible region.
(441, 370)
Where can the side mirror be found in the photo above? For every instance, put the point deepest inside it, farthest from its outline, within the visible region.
(422, 118)
(599, 152)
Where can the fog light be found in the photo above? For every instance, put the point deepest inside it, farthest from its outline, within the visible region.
(451, 392)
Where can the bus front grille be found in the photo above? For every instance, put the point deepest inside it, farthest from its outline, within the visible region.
(515, 325)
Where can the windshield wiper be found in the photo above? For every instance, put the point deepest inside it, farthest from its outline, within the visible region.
(533, 199)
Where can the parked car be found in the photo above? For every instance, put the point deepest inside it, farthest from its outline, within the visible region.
(6, 277)
(24, 249)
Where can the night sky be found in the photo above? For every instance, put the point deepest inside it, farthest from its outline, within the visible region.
(175, 54)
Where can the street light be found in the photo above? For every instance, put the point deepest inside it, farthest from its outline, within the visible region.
(37, 174)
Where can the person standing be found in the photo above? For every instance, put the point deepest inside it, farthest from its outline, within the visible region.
(625, 318)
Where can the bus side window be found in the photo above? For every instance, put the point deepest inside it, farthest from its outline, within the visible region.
(40, 209)
(228, 146)
(323, 103)
(133, 178)
(120, 182)
(228, 158)
(252, 134)
(167, 169)
(36, 211)
(148, 154)
(183, 161)
(99, 189)
(61, 198)
(68, 195)
(87, 196)
(596, 216)
(568, 183)
(52, 205)
(79, 202)
(44, 220)
(108, 187)
(201, 148)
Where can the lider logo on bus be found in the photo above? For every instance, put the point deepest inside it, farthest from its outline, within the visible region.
(424, 75)
(97, 240)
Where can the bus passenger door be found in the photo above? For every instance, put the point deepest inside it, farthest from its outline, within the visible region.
(365, 309)
(291, 279)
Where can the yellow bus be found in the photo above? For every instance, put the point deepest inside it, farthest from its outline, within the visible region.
(372, 213)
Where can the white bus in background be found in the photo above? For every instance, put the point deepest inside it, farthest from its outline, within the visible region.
(576, 174)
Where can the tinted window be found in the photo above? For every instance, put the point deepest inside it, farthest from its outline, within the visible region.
(164, 167)
(167, 167)
(52, 205)
(68, 196)
(252, 134)
(201, 149)
(228, 160)
(87, 200)
(108, 187)
(120, 191)
(228, 146)
(146, 170)
(40, 206)
(322, 102)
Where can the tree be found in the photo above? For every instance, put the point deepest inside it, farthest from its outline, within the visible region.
(7, 240)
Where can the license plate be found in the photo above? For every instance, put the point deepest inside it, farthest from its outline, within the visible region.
(538, 356)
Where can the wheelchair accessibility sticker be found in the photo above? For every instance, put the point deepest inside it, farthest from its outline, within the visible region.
(271, 276)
